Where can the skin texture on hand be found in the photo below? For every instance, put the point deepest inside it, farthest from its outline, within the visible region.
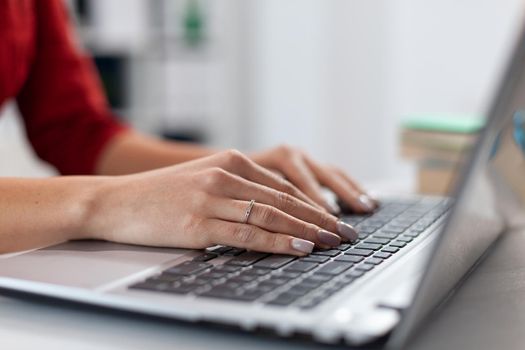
(195, 204)
(309, 176)
(202, 203)
(133, 152)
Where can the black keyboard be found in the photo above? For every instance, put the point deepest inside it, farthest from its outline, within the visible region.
(304, 282)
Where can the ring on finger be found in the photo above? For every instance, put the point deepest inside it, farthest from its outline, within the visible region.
(248, 211)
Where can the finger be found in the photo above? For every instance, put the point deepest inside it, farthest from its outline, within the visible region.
(352, 183)
(255, 238)
(301, 175)
(272, 219)
(341, 188)
(236, 187)
(241, 165)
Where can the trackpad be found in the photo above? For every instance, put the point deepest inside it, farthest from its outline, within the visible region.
(85, 264)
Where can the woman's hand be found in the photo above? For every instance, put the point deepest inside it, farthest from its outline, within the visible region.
(203, 203)
(309, 176)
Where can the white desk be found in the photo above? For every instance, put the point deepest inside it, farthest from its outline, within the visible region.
(488, 312)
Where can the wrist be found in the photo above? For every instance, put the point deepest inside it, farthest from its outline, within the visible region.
(89, 208)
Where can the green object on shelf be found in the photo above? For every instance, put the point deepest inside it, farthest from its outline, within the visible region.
(193, 23)
(456, 123)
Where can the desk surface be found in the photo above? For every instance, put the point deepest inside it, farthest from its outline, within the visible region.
(487, 312)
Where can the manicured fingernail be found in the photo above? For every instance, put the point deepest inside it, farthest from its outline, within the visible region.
(333, 208)
(346, 231)
(374, 199)
(328, 238)
(366, 202)
(302, 245)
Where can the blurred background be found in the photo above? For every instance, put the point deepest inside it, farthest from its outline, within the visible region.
(348, 81)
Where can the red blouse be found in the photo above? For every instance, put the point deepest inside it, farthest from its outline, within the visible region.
(60, 98)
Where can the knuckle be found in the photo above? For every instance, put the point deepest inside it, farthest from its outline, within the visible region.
(291, 189)
(214, 176)
(268, 215)
(285, 201)
(244, 234)
(235, 158)
(286, 149)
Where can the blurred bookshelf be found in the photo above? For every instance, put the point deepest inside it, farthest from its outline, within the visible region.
(162, 63)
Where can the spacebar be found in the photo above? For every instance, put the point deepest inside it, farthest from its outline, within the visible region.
(274, 261)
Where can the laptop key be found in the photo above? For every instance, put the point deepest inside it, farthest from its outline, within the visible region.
(251, 294)
(334, 268)
(246, 259)
(255, 271)
(299, 290)
(315, 258)
(329, 252)
(188, 268)
(223, 292)
(398, 244)
(243, 278)
(405, 239)
(164, 278)
(364, 267)
(219, 250)
(391, 250)
(205, 257)
(381, 241)
(276, 281)
(344, 246)
(274, 261)
(300, 266)
(368, 246)
(318, 278)
(184, 288)
(288, 275)
(354, 274)
(373, 261)
(359, 252)
(382, 255)
(350, 258)
(235, 251)
(211, 275)
(226, 268)
(385, 235)
(412, 234)
(283, 299)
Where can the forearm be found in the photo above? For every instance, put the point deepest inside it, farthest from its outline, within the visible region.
(133, 152)
(40, 212)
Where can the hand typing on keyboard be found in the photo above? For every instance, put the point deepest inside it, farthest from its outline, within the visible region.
(305, 282)
(224, 199)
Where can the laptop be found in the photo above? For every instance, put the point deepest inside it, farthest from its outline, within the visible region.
(410, 255)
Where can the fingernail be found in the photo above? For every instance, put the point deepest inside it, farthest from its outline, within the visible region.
(346, 230)
(328, 238)
(302, 245)
(366, 202)
(374, 199)
(333, 208)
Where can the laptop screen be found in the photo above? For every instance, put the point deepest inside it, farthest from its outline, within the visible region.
(488, 199)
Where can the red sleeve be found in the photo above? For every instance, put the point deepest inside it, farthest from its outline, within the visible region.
(68, 121)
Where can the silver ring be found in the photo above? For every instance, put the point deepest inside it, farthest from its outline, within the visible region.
(248, 211)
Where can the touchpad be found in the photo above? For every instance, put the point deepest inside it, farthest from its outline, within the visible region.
(85, 264)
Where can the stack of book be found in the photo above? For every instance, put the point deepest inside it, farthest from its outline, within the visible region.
(439, 144)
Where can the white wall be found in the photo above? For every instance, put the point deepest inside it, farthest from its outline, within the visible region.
(335, 77)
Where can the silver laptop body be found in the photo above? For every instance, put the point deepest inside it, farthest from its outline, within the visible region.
(365, 309)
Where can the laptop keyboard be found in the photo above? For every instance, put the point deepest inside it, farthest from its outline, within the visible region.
(304, 282)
